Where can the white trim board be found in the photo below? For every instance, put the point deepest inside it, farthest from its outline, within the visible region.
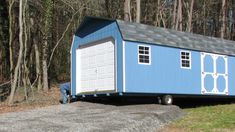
(124, 65)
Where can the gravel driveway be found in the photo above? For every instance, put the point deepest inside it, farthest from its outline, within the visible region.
(86, 116)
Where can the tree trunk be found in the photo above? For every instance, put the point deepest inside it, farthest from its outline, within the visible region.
(1, 49)
(204, 18)
(232, 32)
(25, 59)
(158, 14)
(1, 63)
(179, 17)
(11, 2)
(19, 61)
(127, 10)
(161, 13)
(190, 16)
(138, 10)
(47, 26)
(38, 69)
(174, 15)
(224, 9)
(44, 66)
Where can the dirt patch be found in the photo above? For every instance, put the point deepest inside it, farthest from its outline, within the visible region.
(39, 99)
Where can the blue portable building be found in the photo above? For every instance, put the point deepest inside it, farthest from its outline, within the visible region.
(115, 57)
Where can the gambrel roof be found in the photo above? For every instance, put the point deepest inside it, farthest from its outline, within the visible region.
(167, 37)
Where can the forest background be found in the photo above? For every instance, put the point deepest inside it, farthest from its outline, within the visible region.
(36, 35)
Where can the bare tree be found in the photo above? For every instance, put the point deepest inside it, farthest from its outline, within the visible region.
(11, 3)
(223, 27)
(174, 15)
(44, 66)
(204, 17)
(138, 11)
(1, 65)
(25, 72)
(179, 17)
(158, 20)
(62, 36)
(127, 10)
(19, 61)
(38, 66)
(48, 18)
(190, 16)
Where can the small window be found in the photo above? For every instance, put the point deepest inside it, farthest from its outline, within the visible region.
(185, 59)
(144, 54)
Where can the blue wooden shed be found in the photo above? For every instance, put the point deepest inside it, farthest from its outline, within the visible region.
(115, 57)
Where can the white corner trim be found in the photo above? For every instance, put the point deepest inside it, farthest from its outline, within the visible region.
(71, 76)
(115, 65)
(72, 44)
(124, 66)
(71, 66)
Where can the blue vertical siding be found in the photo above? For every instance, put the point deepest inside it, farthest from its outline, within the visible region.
(110, 30)
(231, 76)
(164, 75)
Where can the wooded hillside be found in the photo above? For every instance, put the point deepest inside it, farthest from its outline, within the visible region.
(36, 35)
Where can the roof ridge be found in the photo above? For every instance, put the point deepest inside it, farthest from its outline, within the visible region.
(169, 29)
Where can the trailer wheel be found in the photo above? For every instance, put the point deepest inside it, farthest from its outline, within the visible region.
(167, 100)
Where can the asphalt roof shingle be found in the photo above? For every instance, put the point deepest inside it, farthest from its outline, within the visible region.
(168, 37)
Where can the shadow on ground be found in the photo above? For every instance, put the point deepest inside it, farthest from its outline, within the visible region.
(198, 102)
(181, 102)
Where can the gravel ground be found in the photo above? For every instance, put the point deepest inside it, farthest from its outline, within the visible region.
(87, 116)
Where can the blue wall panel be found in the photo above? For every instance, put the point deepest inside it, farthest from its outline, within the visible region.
(208, 64)
(209, 83)
(231, 76)
(220, 65)
(221, 83)
(110, 30)
(164, 75)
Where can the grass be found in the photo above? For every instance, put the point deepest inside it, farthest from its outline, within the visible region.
(207, 118)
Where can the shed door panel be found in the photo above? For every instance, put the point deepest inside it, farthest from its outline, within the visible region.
(97, 67)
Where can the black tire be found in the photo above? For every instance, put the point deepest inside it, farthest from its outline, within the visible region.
(167, 100)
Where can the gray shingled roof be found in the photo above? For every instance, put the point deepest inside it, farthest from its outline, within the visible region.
(167, 37)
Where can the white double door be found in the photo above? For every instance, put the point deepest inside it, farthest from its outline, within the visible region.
(214, 74)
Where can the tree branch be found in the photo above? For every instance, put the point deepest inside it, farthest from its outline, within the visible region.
(62, 36)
